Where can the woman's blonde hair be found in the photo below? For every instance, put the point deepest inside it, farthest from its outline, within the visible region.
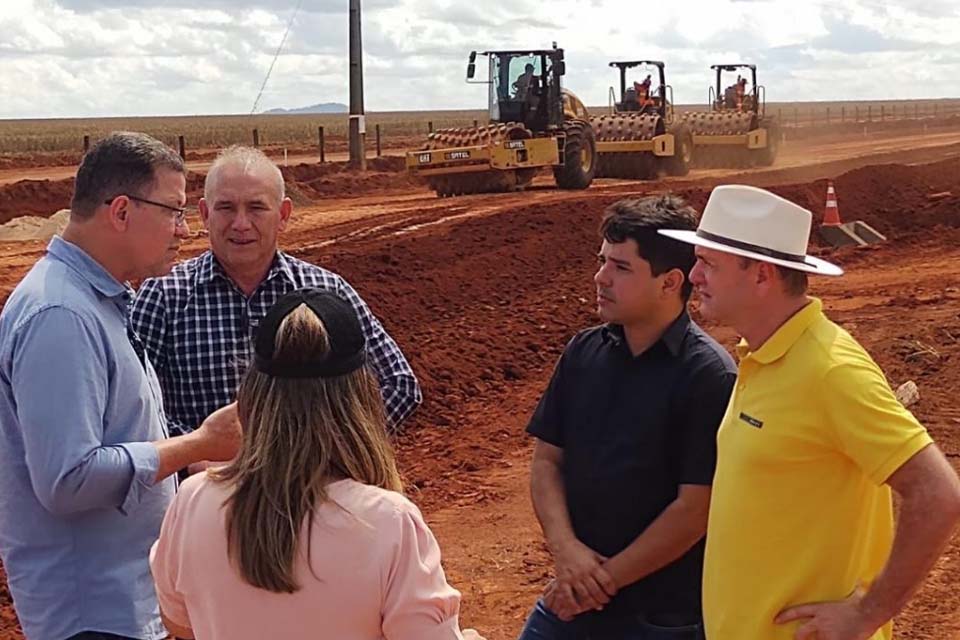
(298, 436)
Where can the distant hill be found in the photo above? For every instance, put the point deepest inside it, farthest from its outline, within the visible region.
(326, 107)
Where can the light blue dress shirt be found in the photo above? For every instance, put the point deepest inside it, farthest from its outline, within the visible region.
(79, 408)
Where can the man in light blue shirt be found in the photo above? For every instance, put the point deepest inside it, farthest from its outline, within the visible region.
(86, 468)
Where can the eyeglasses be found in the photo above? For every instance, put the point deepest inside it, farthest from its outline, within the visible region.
(180, 213)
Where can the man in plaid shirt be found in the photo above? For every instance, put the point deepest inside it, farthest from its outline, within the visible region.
(198, 322)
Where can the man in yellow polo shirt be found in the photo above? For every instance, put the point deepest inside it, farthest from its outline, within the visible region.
(800, 540)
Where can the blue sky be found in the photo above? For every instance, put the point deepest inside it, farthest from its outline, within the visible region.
(84, 58)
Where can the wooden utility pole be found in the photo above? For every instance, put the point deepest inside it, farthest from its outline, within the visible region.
(358, 156)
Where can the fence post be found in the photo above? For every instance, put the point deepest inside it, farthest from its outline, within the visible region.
(881, 113)
(856, 113)
(869, 113)
(323, 155)
(476, 123)
(843, 114)
(86, 143)
(183, 150)
(430, 126)
(828, 115)
(256, 138)
(377, 127)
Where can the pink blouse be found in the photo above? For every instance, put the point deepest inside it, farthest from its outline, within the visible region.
(377, 568)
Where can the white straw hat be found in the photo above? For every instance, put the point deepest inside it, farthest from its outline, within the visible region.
(754, 223)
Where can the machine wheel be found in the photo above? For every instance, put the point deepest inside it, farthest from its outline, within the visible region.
(766, 156)
(579, 156)
(679, 163)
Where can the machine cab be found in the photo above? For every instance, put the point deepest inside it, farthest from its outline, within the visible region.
(735, 91)
(643, 88)
(524, 87)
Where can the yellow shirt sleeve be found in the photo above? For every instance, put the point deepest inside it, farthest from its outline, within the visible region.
(870, 424)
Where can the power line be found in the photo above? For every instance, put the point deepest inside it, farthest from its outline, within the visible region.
(275, 56)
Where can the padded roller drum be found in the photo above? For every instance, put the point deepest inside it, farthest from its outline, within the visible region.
(627, 127)
(455, 184)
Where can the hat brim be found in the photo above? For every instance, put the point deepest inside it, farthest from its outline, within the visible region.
(809, 265)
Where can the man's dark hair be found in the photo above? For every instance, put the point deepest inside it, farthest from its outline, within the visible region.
(123, 163)
(640, 218)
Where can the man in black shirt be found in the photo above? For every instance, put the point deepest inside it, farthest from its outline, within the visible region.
(626, 444)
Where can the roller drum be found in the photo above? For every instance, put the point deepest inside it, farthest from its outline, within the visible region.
(455, 184)
(627, 127)
(721, 123)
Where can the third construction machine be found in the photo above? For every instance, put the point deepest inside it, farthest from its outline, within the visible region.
(533, 124)
(736, 131)
(640, 137)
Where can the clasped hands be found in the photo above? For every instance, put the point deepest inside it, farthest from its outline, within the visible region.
(581, 584)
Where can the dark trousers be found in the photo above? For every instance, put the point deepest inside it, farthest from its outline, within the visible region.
(544, 625)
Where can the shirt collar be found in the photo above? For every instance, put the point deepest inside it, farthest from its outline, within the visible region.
(211, 268)
(283, 267)
(613, 334)
(676, 332)
(672, 338)
(88, 268)
(785, 337)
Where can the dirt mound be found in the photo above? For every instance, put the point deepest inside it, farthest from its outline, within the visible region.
(305, 183)
(897, 200)
(387, 164)
(40, 159)
(24, 228)
(311, 181)
(34, 198)
(43, 198)
(348, 184)
(310, 171)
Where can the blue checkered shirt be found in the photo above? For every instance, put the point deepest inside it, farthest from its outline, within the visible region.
(198, 329)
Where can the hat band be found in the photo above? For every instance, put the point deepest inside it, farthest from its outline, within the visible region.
(347, 343)
(329, 368)
(753, 248)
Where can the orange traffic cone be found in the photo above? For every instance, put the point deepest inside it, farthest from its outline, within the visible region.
(831, 213)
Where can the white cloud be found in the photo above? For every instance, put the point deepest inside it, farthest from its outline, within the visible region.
(135, 57)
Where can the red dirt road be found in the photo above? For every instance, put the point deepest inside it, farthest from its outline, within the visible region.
(482, 293)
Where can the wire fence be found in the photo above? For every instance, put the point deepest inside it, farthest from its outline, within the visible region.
(198, 134)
